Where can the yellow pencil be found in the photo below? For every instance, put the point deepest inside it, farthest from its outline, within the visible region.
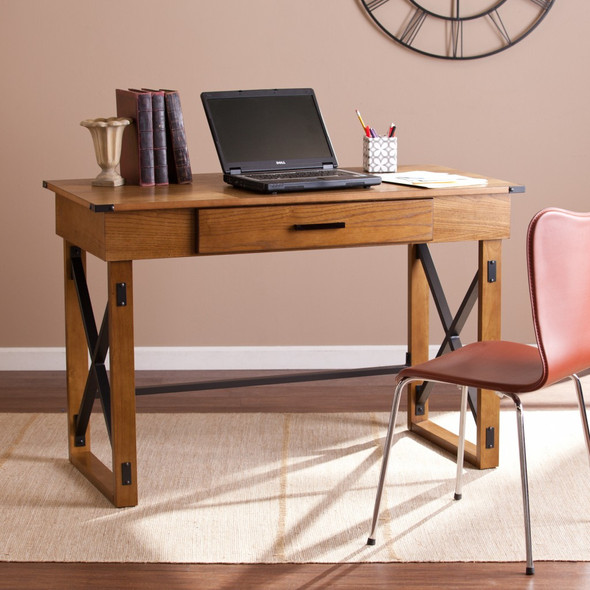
(361, 119)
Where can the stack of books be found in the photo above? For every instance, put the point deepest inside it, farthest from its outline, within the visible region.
(154, 150)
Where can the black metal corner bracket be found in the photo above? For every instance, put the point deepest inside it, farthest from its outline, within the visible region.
(102, 208)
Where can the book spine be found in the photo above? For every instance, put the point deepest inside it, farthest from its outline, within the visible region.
(127, 107)
(145, 134)
(137, 146)
(159, 129)
(178, 149)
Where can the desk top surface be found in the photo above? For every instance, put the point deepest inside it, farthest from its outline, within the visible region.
(209, 190)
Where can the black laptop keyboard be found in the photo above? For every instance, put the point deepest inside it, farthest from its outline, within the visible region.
(299, 174)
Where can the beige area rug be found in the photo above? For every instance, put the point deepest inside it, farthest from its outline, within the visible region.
(268, 488)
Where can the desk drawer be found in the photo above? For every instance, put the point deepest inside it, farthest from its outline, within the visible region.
(323, 225)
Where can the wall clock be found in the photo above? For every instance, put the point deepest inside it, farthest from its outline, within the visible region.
(457, 29)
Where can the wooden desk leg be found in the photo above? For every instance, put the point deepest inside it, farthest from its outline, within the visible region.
(118, 484)
(489, 328)
(76, 355)
(484, 453)
(122, 379)
(418, 327)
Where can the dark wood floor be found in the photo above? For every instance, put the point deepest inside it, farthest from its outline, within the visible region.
(45, 392)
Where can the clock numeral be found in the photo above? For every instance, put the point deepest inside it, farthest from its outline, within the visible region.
(457, 31)
(544, 4)
(373, 4)
(497, 20)
(413, 27)
(457, 38)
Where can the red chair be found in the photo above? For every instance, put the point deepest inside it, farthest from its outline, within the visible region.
(558, 258)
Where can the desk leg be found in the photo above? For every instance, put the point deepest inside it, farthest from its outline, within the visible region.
(122, 378)
(489, 328)
(418, 327)
(485, 452)
(118, 484)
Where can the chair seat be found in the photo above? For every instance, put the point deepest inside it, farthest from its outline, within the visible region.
(503, 366)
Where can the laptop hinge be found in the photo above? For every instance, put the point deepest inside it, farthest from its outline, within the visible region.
(328, 166)
(235, 170)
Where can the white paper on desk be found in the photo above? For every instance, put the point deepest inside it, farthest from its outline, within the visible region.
(426, 179)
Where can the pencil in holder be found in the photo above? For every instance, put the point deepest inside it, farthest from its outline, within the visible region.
(380, 154)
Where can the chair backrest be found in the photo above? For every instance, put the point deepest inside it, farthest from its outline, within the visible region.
(558, 257)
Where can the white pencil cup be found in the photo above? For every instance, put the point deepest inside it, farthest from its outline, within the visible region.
(380, 154)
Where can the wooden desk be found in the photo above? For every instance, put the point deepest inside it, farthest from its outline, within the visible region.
(119, 225)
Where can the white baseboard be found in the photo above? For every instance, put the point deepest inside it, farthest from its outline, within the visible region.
(176, 358)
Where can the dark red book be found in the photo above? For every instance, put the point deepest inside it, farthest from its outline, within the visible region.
(137, 150)
(179, 166)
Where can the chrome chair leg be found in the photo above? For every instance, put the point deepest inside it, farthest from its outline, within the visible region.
(583, 411)
(461, 444)
(385, 461)
(530, 569)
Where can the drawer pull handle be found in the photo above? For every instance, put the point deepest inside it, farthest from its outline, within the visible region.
(310, 226)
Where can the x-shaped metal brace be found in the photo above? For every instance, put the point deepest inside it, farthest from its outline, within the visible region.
(451, 325)
(97, 382)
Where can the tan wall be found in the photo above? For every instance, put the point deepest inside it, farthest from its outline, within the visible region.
(521, 115)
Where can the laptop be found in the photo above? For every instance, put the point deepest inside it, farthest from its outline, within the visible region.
(274, 141)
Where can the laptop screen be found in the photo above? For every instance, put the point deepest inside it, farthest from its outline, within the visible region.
(268, 129)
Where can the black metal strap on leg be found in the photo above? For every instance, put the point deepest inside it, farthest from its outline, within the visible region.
(97, 382)
(451, 325)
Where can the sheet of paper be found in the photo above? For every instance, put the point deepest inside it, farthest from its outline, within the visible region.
(426, 179)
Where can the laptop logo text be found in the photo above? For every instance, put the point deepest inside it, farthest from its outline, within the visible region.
(281, 162)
